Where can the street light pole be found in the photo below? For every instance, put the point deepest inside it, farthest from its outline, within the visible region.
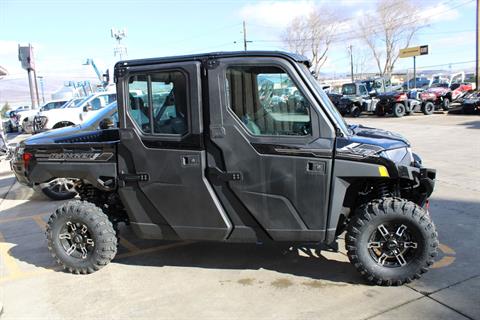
(40, 78)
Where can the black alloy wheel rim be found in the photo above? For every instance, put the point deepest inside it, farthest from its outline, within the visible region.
(392, 245)
(76, 240)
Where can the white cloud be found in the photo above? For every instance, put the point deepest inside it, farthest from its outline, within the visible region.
(439, 13)
(460, 39)
(276, 13)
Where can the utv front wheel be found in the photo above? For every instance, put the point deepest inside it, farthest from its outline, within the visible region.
(80, 237)
(399, 110)
(391, 241)
(446, 104)
(355, 111)
(428, 108)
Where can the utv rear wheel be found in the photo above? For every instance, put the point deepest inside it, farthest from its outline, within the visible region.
(428, 108)
(399, 110)
(391, 241)
(80, 237)
(59, 189)
(379, 111)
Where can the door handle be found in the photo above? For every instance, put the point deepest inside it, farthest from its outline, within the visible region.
(316, 167)
(190, 160)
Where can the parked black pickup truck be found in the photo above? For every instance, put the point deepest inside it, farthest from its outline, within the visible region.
(240, 147)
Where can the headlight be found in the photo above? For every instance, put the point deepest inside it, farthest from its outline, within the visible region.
(400, 156)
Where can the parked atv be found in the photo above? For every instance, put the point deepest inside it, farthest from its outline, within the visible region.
(199, 156)
(471, 103)
(355, 100)
(395, 103)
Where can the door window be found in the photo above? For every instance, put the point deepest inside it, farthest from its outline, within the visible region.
(363, 90)
(158, 102)
(267, 101)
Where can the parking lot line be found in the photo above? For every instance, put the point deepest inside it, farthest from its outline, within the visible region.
(128, 245)
(11, 219)
(41, 223)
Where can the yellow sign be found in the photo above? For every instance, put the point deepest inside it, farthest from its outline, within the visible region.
(413, 51)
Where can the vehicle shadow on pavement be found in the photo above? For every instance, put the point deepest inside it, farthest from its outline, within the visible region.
(29, 247)
(471, 124)
(304, 262)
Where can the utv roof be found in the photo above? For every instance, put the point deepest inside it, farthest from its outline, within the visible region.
(214, 55)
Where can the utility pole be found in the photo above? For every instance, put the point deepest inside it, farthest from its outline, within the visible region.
(477, 67)
(244, 36)
(245, 41)
(351, 61)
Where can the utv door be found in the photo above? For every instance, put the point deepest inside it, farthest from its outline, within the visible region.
(161, 155)
(275, 144)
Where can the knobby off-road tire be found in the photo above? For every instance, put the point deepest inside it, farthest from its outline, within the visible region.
(428, 108)
(355, 111)
(80, 237)
(379, 254)
(399, 110)
(446, 104)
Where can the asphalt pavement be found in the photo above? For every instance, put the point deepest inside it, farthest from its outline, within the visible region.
(200, 280)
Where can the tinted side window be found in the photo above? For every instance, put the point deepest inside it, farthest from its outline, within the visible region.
(158, 102)
(267, 101)
(138, 104)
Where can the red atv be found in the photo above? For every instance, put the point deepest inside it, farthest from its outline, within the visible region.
(440, 95)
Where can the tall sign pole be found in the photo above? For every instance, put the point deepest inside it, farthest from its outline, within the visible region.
(414, 72)
(25, 56)
(414, 52)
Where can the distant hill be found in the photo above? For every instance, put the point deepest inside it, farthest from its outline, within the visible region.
(15, 90)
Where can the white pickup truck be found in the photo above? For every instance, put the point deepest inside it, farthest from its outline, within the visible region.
(75, 113)
(26, 117)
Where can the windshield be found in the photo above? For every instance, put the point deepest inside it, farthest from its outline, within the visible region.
(349, 89)
(79, 103)
(103, 113)
(326, 102)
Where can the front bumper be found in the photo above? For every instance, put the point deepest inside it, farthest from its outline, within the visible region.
(423, 180)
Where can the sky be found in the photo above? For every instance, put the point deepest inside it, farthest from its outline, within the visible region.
(65, 33)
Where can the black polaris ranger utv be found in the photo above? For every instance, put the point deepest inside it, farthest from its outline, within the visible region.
(240, 147)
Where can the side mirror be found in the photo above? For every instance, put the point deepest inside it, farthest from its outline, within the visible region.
(106, 123)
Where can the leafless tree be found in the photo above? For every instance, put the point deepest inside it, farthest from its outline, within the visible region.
(388, 29)
(361, 61)
(312, 36)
